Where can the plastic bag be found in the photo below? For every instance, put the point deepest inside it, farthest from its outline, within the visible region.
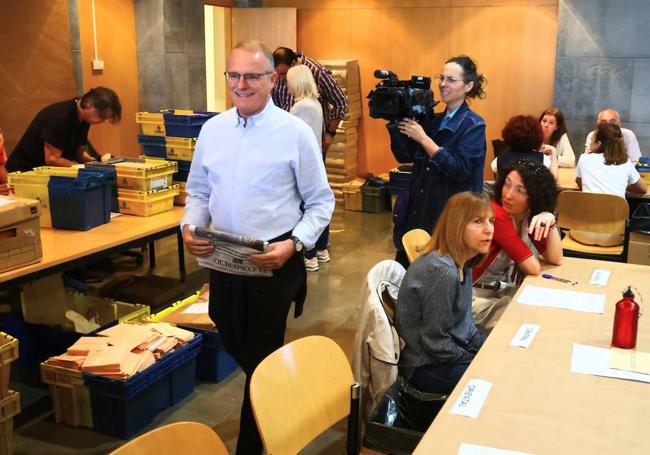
(401, 418)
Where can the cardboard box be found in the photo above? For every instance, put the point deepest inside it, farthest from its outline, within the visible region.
(639, 249)
(20, 232)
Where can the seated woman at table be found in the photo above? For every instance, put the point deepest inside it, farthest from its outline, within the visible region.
(606, 169)
(524, 227)
(433, 311)
(555, 135)
(524, 137)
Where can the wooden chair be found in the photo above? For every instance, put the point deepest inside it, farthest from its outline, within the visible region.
(412, 240)
(187, 438)
(499, 147)
(302, 389)
(593, 212)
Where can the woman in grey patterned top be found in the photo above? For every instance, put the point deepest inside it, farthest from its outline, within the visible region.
(433, 314)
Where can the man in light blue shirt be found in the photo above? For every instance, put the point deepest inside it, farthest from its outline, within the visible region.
(252, 167)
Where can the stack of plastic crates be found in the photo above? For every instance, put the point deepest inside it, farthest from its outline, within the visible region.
(145, 188)
(9, 400)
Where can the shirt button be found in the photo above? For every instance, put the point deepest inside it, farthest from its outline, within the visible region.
(415, 212)
(428, 168)
(421, 191)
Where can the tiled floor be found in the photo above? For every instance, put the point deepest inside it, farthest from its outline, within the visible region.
(358, 241)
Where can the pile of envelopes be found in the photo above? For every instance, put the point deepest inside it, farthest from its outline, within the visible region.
(122, 350)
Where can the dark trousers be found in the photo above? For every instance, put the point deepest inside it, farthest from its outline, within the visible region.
(251, 316)
(438, 379)
(321, 243)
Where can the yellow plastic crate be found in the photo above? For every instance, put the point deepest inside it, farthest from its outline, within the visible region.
(180, 148)
(9, 406)
(58, 171)
(182, 194)
(146, 203)
(31, 185)
(158, 317)
(70, 397)
(148, 176)
(8, 353)
(151, 123)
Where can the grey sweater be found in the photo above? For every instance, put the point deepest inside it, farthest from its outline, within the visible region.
(433, 314)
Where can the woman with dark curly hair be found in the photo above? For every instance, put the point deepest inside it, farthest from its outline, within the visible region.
(555, 135)
(524, 202)
(525, 139)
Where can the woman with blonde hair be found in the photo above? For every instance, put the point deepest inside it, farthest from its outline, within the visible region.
(301, 85)
(433, 311)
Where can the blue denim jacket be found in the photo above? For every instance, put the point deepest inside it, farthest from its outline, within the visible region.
(456, 167)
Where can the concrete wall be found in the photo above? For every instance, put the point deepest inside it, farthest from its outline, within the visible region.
(603, 60)
(171, 54)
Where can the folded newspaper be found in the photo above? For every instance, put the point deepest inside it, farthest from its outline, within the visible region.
(231, 252)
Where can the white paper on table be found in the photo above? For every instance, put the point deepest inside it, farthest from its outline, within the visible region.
(471, 400)
(600, 277)
(525, 335)
(473, 449)
(588, 302)
(4, 201)
(197, 308)
(593, 360)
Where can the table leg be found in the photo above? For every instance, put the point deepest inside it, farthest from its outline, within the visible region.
(152, 255)
(181, 254)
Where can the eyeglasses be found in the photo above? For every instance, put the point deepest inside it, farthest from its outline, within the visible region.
(448, 79)
(234, 76)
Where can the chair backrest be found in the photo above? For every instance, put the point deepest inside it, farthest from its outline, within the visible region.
(593, 212)
(499, 146)
(299, 391)
(412, 240)
(183, 437)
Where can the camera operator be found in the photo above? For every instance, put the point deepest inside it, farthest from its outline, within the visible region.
(447, 150)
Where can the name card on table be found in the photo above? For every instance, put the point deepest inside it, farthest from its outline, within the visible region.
(473, 449)
(525, 335)
(600, 277)
(588, 302)
(471, 400)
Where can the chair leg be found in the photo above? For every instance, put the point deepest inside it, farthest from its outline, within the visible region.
(353, 419)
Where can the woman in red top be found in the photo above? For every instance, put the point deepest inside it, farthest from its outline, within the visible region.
(525, 195)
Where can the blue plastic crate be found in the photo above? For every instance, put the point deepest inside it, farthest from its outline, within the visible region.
(153, 145)
(186, 125)
(183, 171)
(37, 342)
(109, 180)
(213, 363)
(124, 408)
(79, 203)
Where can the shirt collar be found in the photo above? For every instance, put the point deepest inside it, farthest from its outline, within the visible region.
(257, 119)
(455, 117)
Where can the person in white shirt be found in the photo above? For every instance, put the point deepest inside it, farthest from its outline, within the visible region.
(253, 166)
(608, 170)
(629, 138)
(555, 135)
(302, 86)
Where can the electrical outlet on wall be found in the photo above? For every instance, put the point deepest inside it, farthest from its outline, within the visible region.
(98, 65)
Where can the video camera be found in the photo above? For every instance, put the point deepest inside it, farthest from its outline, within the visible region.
(393, 99)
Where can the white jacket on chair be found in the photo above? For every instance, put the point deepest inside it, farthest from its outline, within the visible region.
(376, 347)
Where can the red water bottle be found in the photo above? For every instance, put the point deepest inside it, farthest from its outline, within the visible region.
(626, 321)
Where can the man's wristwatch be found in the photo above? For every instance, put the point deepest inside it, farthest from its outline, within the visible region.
(297, 244)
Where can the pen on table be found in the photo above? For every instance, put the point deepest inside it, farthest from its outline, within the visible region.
(563, 280)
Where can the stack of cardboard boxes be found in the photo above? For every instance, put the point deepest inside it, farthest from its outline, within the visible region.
(341, 160)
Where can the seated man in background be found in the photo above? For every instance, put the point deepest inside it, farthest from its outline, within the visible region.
(332, 98)
(4, 186)
(631, 143)
(58, 135)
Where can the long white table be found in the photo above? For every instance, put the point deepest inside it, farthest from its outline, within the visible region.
(536, 404)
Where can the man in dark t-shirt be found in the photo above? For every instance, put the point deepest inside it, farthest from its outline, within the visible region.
(58, 135)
